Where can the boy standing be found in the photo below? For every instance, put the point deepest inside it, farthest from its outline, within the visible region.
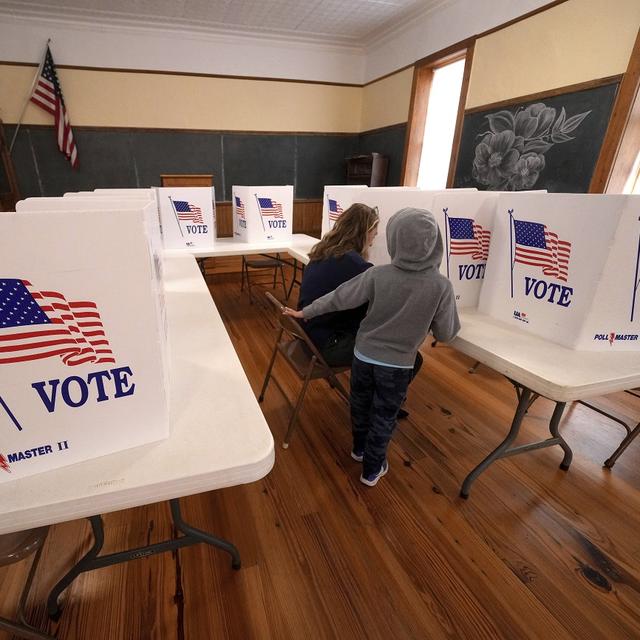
(406, 299)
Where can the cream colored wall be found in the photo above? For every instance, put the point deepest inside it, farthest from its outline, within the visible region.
(574, 42)
(386, 101)
(119, 99)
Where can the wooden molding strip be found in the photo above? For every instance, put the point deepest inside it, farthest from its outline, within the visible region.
(184, 73)
(214, 131)
(558, 91)
(457, 135)
(609, 174)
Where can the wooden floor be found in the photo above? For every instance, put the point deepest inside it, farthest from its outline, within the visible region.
(534, 553)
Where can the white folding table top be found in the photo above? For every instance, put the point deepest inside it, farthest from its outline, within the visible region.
(219, 437)
(553, 371)
(298, 247)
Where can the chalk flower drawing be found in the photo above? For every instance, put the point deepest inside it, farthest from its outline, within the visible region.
(510, 156)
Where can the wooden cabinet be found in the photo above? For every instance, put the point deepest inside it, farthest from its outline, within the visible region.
(186, 180)
(369, 169)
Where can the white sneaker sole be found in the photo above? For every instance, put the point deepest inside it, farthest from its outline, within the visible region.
(374, 482)
(356, 457)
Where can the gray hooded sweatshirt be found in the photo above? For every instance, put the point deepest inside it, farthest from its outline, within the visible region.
(407, 298)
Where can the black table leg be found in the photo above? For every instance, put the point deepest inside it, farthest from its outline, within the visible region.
(92, 560)
(503, 450)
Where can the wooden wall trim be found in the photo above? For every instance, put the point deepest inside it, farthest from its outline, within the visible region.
(549, 93)
(420, 89)
(457, 135)
(613, 166)
(192, 74)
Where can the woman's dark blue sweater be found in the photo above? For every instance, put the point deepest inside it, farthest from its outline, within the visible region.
(321, 277)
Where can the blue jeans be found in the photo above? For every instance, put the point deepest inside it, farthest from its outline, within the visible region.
(377, 392)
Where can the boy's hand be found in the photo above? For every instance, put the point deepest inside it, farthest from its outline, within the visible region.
(292, 312)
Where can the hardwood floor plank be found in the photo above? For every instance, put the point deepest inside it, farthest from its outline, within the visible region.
(535, 552)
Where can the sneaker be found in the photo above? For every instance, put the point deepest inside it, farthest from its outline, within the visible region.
(357, 455)
(372, 479)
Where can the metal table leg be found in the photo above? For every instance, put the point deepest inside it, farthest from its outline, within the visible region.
(92, 560)
(503, 450)
(628, 439)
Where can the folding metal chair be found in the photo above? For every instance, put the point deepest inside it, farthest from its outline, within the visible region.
(303, 357)
(262, 262)
(13, 548)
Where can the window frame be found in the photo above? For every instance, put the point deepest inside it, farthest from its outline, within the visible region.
(422, 78)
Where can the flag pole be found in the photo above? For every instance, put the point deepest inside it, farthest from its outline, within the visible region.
(175, 213)
(260, 211)
(26, 102)
(446, 236)
(511, 247)
(10, 414)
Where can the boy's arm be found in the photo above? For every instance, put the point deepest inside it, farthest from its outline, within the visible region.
(348, 295)
(446, 323)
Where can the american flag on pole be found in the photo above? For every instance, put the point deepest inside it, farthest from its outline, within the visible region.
(468, 238)
(239, 207)
(270, 208)
(538, 247)
(335, 210)
(41, 324)
(48, 96)
(188, 212)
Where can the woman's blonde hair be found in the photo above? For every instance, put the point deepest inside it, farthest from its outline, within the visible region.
(349, 233)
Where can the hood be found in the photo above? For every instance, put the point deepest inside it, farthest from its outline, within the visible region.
(413, 240)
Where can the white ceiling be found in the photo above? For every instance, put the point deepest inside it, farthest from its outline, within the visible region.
(345, 22)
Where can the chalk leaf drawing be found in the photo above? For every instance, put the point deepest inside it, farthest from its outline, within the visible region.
(511, 155)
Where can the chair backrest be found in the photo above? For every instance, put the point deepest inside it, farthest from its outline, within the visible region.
(293, 329)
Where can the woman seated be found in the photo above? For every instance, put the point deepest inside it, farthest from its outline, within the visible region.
(338, 257)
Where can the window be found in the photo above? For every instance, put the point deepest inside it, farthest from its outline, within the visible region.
(435, 119)
(440, 125)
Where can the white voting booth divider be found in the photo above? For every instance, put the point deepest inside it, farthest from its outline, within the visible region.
(465, 219)
(187, 216)
(82, 363)
(392, 199)
(565, 267)
(336, 200)
(262, 213)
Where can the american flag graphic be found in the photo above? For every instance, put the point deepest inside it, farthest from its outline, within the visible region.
(335, 210)
(468, 238)
(48, 96)
(4, 464)
(269, 208)
(538, 247)
(188, 212)
(41, 324)
(239, 207)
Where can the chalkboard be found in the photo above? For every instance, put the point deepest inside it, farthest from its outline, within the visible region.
(549, 143)
(121, 158)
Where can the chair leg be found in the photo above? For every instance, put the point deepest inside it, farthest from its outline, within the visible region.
(23, 629)
(334, 383)
(244, 264)
(284, 281)
(271, 362)
(296, 410)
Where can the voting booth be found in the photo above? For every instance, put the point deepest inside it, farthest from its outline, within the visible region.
(83, 362)
(389, 200)
(465, 219)
(565, 267)
(262, 213)
(187, 216)
(336, 200)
